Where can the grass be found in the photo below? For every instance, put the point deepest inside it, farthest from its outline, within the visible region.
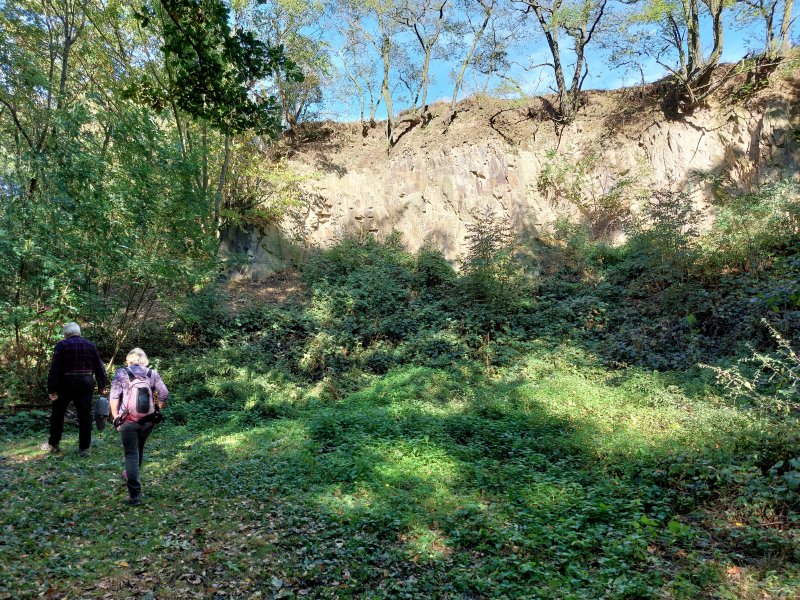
(550, 478)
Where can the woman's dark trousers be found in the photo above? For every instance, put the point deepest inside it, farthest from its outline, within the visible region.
(134, 435)
(77, 389)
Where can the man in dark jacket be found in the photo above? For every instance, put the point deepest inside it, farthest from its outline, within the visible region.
(76, 363)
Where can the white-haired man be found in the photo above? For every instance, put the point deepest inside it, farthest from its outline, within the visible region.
(75, 365)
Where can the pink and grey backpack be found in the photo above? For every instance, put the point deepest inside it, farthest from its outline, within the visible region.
(138, 404)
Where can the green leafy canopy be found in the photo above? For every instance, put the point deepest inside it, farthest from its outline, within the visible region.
(215, 70)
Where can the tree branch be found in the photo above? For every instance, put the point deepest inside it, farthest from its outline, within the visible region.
(15, 118)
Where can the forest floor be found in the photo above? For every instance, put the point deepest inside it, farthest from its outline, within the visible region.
(552, 478)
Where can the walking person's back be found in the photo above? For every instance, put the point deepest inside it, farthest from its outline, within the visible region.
(137, 395)
(75, 365)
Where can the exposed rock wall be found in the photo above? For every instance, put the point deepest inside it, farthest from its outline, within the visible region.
(494, 156)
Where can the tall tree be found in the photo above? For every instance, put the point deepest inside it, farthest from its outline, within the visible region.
(580, 21)
(426, 19)
(772, 14)
(360, 68)
(786, 24)
(216, 70)
(477, 15)
(375, 21)
(671, 32)
(294, 25)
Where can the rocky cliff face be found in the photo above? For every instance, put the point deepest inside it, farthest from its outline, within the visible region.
(513, 161)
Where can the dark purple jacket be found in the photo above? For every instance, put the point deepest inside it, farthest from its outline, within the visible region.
(75, 355)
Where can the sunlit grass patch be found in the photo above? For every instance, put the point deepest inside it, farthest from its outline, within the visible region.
(15, 451)
(554, 475)
(410, 383)
(426, 544)
(621, 420)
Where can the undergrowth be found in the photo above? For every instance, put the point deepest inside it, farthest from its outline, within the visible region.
(552, 477)
(536, 425)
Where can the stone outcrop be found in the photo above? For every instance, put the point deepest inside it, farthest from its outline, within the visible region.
(516, 163)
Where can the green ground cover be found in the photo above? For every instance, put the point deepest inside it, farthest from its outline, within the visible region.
(551, 477)
(562, 419)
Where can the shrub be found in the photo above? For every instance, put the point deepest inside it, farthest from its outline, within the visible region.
(769, 379)
(492, 275)
(25, 423)
(201, 318)
(433, 271)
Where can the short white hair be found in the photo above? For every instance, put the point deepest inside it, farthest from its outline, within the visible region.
(137, 357)
(71, 329)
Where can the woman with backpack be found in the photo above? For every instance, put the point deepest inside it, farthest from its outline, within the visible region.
(137, 396)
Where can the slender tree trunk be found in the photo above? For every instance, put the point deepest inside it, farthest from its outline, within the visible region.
(694, 50)
(357, 86)
(287, 113)
(386, 47)
(423, 105)
(360, 98)
(373, 106)
(223, 173)
(769, 23)
(785, 42)
(427, 50)
(204, 168)
(173, 105)
(475, 39)
(62, 84)
(569, 105)
(178, 125)
(678, 42)
(551, 35)
(716, 7)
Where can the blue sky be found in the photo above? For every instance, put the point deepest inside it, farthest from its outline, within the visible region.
(739, 40)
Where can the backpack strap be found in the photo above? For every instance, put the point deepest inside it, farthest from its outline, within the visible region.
(123, 409)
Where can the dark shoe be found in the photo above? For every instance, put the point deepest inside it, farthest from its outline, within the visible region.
(48, 448)
(124, 475)
(83, 453)
(135, 500)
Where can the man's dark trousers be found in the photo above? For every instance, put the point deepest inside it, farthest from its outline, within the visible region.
(77, 389)
(134, 435)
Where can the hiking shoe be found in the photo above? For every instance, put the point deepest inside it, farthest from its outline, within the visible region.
(124, 475)
(135, 500)
(48, 448)
(83, 453)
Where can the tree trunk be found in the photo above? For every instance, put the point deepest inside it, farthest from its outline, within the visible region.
(785, 42)
(223, 173)
(423, 105)
(475, 39)
(694, 50)
(386, 47)
(769, 24)
(551, 35)
(716, 7)
(204, 168)
(357, 86)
